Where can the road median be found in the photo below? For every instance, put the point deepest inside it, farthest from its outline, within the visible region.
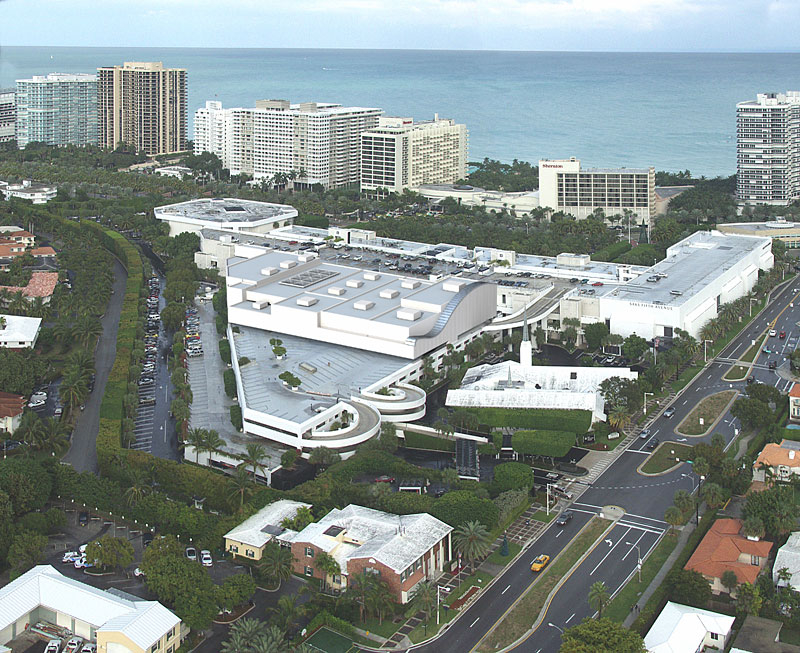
(515, 624)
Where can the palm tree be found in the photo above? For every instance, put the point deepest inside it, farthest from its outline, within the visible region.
(271, 641)
(52, 436)
(673, 516)
(471, 540)
(240, 485)
(236, 642)
(254, 456)
(138, 487)
(286, 612)
(195, 438)
(18, 304)
(73, 392)
(327, 565)
(381, 599)
(425, 597)
(360, 587)
(63, 331)
(38, 308)
(618, 417)
(599, 597)
(714, 495)
(82, 360)
(276, 562)
(243, 634)
(212, 443)
(29, 425)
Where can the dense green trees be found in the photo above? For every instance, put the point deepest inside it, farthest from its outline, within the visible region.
(601, 636)
(512, 476)
(687, 587)
(113, 553)
(776, 509)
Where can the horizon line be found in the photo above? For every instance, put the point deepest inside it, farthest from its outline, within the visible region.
(368, 49)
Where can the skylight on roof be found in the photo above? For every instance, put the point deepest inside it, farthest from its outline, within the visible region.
(308, 278)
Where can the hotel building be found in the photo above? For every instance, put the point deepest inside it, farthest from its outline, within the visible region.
(317, 142)
(563, 186)
(8, 115)
(56, 109)
(768, 149)
(401, 153)
(142, 104)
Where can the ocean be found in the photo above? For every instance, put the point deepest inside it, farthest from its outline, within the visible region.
(672, 111)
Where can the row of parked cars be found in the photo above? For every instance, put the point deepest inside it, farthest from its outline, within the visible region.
(192, 341)
(73, 645)
(150, 363)
(205, 556)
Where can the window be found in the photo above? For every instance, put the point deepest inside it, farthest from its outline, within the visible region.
(308, 571)
(171, 633)
(154, 648)
(309, 552)
(714, 636)
(250, 553)
(755, 560)
(233, 548)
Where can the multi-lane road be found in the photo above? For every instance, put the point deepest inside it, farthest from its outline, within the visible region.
(643, 498)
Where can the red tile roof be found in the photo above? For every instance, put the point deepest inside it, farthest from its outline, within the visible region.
(795, 391)
(11, 405)
(719, 552)
(42, 284)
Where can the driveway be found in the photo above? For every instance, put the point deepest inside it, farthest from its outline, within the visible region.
(82, 454)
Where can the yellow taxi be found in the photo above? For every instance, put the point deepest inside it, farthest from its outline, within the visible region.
(540, 562)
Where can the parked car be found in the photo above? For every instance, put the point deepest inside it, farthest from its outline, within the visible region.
(70, 556)
(147, 538)
(205, 558)
(384, 479)
(53, 646)
(564, 517)
(83, 519)
(73, 645)
(89, 648)
(191, 553)
(540, 562)
(138, 573)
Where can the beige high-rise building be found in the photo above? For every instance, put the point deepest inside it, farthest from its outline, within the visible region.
(142, 104)
(402, 153)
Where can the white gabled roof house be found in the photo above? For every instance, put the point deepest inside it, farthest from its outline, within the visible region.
(44, 594)
(683, 629)
(788, 556)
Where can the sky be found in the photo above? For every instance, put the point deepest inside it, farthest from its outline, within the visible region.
(576, 25)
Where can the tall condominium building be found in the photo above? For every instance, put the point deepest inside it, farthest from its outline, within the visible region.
(315, 143)
(768, 148)
(563, 186)
(401, 153)
(142, 104)
(8, 114)
(57, 109)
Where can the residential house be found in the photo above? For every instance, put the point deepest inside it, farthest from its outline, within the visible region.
(794, 403)
(250, 537)
(777, 461)
(11, 407)
(17, 332)
(788, 557)
(403, 550)
(117, 622)
(759, 635)
(724, 549)
(42, 284)
(683, 629)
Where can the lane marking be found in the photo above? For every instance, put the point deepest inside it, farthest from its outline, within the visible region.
(611, 550)
(633, 546)
(570, 618)
(474, 622)
(505, 590)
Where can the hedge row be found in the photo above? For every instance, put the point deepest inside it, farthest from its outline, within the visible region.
(611, 252)
(577, 421)
(414, 440)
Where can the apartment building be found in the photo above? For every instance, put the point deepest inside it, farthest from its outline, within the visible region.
(401, 153)
(768, 149)
(564, 186)
(313, 143)
(57, 109)
(142, 104)
(8, 114)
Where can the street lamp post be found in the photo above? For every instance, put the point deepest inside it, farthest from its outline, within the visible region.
(552, 625)
(644, 406)
(705, 350)
(438, 601)
(638, 558)
(751, 305)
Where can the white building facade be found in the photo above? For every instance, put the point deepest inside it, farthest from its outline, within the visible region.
(57, 109)
(402, 154)
(768, 149)
(564, 186)
(229, 214)
(315, 143)
(8, 114)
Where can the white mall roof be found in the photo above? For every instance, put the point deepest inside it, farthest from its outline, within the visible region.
(221, 212)
(253, 531)
(680, 628)
(144, 622)
(395, 540)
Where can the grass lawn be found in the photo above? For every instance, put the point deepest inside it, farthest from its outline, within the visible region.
(687, 375)
(790, 635)
(497, 559)
(386, 629)
(603, 439)
(517, 622)
(736, 373)
(709, 409)
(750, 355)
(663, 458)
(622, 604)
(415, 440)
(542, 515)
